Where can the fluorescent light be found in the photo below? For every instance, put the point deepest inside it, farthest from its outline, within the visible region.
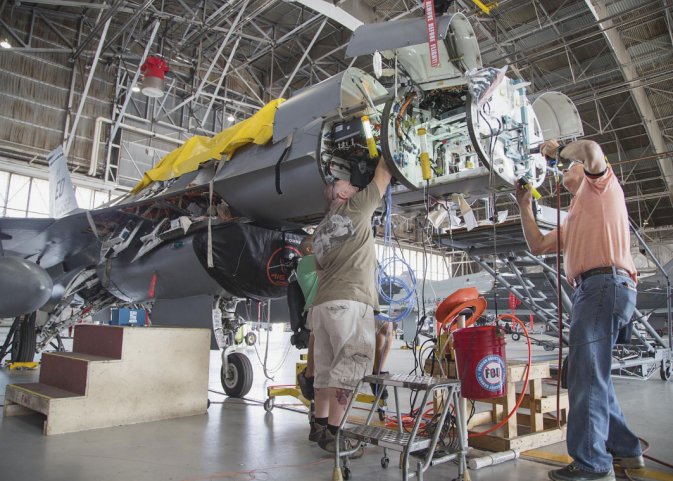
(5, 44)
(231, 118)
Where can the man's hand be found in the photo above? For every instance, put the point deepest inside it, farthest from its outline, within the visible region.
(523, 196)
(549, 148)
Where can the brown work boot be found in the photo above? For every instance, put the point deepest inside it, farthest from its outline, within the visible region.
(317, 432)
(328, 443)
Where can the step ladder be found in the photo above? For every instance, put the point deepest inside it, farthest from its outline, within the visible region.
(117, 376)
(420, 445)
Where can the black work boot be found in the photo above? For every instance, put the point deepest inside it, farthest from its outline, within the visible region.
(628, 462)
(573, 473)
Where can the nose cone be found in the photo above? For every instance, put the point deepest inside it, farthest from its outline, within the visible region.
(24, 286)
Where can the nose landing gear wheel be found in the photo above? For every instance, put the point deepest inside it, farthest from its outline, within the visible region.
(237, 380)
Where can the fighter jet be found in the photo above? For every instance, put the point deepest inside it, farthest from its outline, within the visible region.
(224, 225)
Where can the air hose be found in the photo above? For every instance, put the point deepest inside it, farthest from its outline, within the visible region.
(386, 280)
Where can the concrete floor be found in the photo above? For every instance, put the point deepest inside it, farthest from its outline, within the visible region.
(238, 440)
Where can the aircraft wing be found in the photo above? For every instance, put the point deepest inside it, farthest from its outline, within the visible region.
(46, 241)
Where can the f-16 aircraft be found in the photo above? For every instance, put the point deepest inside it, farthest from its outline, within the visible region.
(206, 229)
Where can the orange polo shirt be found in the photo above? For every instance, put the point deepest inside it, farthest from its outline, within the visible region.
(596, 231)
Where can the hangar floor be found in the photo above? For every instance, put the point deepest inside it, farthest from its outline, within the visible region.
(238, 440)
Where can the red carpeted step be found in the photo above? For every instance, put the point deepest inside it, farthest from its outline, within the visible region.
(103, 341)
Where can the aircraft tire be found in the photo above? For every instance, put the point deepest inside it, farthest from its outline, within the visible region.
(23, 344)
(238, 380)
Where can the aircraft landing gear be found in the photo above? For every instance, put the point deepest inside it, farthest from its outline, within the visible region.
(22, 336)
(236, 374)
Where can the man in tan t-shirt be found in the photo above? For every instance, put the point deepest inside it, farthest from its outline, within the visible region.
(342, 316)
(597, 259)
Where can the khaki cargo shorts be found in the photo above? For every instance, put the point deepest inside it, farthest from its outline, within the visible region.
(345, 340)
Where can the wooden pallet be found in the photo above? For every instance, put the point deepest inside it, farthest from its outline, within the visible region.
(528, 428)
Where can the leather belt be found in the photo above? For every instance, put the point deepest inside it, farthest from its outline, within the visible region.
(617, 271)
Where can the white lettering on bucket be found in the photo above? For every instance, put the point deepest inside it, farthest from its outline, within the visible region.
(491, 373)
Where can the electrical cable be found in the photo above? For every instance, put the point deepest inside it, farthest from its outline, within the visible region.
(559, 302)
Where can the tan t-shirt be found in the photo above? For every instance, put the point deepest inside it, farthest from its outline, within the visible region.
(343, 245)
(596, 231)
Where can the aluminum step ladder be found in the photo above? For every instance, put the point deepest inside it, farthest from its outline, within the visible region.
(421, 444)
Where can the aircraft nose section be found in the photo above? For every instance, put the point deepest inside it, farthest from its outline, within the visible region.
(24, 286)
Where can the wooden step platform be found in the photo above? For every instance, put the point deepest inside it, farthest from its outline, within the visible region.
(117, 376)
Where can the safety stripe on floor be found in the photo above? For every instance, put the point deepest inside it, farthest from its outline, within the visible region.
(565, 459)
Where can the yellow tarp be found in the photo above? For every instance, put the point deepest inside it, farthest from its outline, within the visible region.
(257, 129)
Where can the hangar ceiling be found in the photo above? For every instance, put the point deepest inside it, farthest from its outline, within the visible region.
(614, 59)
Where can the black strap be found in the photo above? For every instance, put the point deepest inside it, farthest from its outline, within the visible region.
(595, 176)
(283, 156)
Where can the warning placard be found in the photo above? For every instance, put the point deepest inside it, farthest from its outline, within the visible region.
(431, 26)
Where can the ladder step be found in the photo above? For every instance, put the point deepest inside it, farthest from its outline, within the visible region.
(409, 381)
(386, 438)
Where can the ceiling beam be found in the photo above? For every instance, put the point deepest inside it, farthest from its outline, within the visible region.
(600, 11)
(329, 10)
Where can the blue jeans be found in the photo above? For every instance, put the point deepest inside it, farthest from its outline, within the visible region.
(602, 304)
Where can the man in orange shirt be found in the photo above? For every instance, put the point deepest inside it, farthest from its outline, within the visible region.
(597, 260)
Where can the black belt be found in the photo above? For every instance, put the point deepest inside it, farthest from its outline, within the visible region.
(617, 271)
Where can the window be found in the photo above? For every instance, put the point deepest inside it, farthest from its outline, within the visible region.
(100, 198)
(425, 264)
(23, 196)
(84, 197)
(17, 198)
(38, 204)
(4, 184)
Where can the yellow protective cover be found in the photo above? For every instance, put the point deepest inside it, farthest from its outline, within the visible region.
(257, 129)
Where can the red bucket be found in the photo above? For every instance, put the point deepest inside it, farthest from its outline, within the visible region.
(480, 362)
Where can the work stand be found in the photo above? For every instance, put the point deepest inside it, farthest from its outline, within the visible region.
(533, 280)
(419, 443)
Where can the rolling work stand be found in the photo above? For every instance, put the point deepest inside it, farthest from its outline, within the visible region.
(419, 443)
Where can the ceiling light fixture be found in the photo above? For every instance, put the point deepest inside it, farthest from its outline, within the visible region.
(135, 88)
(231, 118)
(5, 43)
(154, 75)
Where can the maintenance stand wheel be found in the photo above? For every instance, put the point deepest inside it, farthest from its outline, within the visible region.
(268, 405)
(250, 339)
(237, 381)
(382, 415)
(665, 370)
(346, 472)
(384, 462)
(516, 336)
